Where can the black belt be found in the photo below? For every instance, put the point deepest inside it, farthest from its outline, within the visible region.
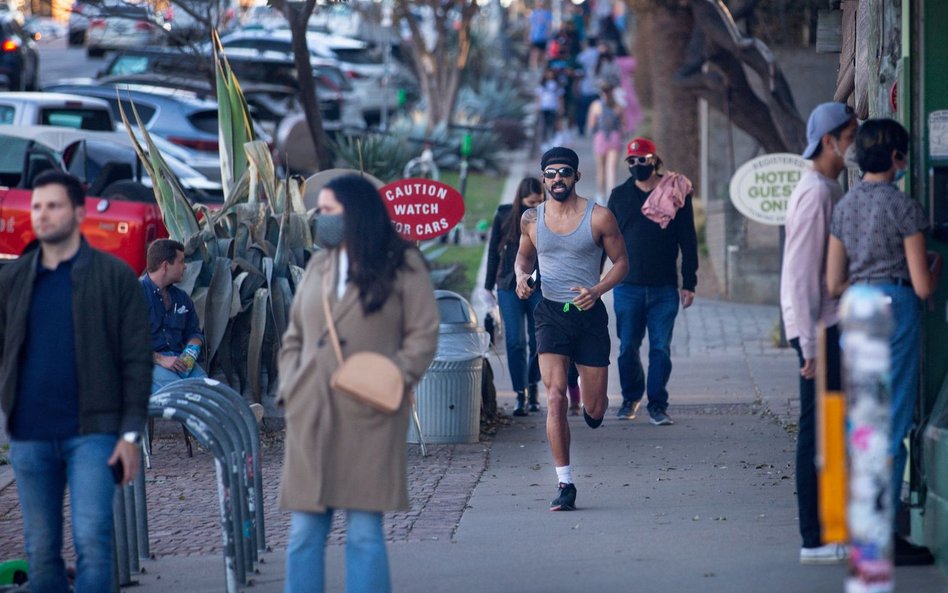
(884, 280)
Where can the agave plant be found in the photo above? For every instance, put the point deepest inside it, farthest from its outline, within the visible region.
(245, 259)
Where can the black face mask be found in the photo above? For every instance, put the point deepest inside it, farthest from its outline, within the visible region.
(641, 172)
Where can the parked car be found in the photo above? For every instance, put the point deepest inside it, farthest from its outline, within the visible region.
(122, 217)
(357, 60)
(192, 20)
(79, 16)
(123, 26)
(19, 59)
(264, 78)
(179, 116)
(55, 109)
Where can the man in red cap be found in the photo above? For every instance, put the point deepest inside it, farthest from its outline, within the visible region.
(569, 236)
(648, 297)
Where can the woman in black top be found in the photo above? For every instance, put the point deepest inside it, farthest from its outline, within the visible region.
(517, 314)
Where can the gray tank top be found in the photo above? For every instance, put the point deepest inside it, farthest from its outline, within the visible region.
(567, 261)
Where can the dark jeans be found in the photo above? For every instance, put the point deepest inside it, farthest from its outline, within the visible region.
(640, 308)
(519, 333)
(807, 488)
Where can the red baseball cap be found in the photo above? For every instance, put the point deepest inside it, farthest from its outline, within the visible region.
(640, 147)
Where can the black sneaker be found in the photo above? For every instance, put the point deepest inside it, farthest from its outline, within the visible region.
(628, 410)
(592, 422)
(566, 499)
(908, 554)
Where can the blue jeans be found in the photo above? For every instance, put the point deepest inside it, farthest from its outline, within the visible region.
(906, 354)
(640, 308)
(42, 470)
(161, 376)
(366, 558)
(519, 331)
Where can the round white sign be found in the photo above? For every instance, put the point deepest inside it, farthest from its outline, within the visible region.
(761, 187)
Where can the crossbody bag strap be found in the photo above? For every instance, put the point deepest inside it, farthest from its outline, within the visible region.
(333, 336)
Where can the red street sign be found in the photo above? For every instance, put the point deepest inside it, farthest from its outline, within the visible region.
(422, 208)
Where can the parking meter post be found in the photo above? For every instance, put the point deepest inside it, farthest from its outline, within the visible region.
(386, 60)
(466, 143)
(867, 327)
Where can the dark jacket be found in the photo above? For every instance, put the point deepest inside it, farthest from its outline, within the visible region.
(653, 251)
(113, 341)
(501, 258)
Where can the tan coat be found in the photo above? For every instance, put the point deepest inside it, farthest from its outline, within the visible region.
(341, 453)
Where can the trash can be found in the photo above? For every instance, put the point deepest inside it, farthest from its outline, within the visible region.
(449, 394)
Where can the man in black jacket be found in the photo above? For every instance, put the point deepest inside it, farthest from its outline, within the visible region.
(648, 297)
(75, 368)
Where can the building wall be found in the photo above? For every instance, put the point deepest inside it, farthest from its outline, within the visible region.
(745, 255)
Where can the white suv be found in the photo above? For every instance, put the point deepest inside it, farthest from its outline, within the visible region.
(55, 109)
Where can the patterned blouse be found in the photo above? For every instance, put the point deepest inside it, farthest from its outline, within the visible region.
(872, 221)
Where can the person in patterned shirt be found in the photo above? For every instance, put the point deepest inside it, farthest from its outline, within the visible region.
(877, 238)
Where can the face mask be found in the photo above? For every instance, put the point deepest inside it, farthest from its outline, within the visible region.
(330, 230)
(899, 175)
(642, 172)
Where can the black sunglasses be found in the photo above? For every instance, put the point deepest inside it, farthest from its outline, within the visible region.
(637, 160)
(562, 171)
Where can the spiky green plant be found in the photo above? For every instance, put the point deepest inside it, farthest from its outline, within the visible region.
(246, 258)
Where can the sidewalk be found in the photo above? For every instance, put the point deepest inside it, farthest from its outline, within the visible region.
(705, 505)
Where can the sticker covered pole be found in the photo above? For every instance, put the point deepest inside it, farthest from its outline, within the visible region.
(867, 326)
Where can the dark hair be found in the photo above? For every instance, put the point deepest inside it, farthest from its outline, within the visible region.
(875, 142)
(161, 251)
(510, 229)
(836, 132)
(74, 189)
(376, 252)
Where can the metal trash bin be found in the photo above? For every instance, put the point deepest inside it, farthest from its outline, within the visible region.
(448, 396)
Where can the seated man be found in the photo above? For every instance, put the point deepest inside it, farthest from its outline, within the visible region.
(175, 331)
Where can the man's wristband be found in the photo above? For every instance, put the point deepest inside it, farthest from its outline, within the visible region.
(132, 437)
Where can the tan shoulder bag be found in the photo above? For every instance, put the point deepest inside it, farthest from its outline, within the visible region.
(368, 377)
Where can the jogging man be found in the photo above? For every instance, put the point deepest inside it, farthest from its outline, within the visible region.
(569, 235)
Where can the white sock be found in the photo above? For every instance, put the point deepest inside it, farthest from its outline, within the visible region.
(564, 474)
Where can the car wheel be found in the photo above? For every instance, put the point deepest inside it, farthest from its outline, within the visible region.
(95, 52)
(77, 37)
(129, 191)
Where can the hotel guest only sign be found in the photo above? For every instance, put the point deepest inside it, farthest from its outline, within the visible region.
(761, 188)
(422, 208)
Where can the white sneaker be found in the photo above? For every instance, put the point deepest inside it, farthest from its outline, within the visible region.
(827, 554)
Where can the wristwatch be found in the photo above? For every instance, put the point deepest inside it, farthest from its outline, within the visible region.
(132, 437)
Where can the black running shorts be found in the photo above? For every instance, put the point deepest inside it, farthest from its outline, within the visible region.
(582, 336)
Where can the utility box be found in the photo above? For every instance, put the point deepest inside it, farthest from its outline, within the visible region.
(448, 397)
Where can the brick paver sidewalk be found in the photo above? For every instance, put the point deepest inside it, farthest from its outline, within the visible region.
(183, 517)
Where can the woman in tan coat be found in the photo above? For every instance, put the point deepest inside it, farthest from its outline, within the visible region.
(340, 453)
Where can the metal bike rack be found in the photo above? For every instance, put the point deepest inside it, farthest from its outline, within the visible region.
(220, 420)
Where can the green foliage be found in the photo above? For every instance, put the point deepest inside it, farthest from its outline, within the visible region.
(495, 100)
(383, 156)
(463, 261)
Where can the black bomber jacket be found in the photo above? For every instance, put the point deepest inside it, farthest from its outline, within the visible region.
(112, 334)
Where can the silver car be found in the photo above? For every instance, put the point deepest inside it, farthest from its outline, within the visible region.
(123, 26)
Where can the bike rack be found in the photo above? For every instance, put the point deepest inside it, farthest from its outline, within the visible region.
(220, 420)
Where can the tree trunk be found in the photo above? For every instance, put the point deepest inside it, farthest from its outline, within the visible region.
(643, 44)
(439, 68)
(675, 116)
(297, 15)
